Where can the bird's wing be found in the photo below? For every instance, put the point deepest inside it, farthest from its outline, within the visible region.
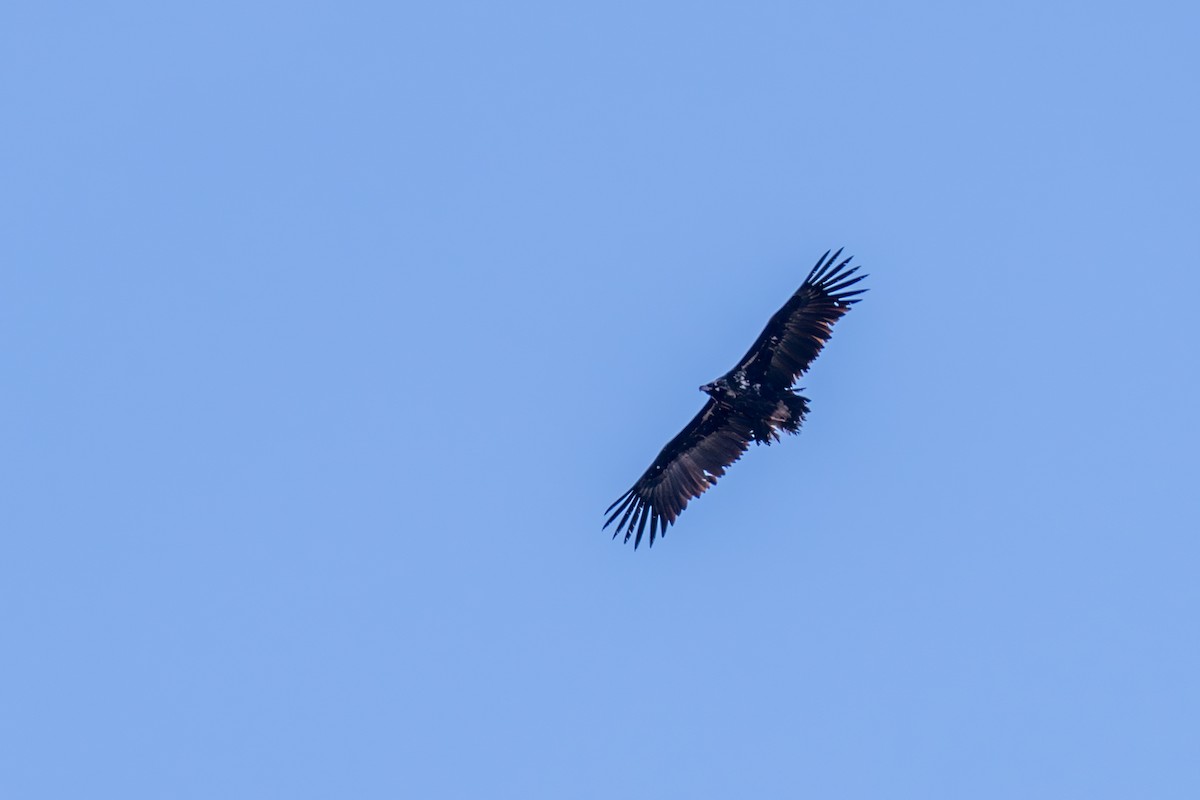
(797, 332)
(686, 467)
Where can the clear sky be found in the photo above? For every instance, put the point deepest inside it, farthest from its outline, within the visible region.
(330, 329)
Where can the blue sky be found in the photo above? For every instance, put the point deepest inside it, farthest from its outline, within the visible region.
(331, 329)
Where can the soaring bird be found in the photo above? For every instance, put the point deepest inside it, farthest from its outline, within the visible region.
(752, 402)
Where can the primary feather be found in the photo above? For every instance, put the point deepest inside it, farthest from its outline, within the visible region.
(753, 402)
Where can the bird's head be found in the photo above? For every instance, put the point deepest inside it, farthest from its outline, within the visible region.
(718, 389)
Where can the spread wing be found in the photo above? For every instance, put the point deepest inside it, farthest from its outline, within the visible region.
(686, 467)
(798, 331)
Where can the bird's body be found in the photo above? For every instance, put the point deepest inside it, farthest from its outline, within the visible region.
(769, 408)
(753, 402)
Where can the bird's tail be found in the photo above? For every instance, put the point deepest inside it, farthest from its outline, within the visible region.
(794, 408)
(787, 414)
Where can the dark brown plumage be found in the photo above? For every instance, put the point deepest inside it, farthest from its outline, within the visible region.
(751, 403)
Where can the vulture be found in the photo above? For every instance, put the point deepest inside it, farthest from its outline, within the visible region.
(753, 402)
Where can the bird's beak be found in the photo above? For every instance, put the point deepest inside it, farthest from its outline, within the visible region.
(706, 387)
